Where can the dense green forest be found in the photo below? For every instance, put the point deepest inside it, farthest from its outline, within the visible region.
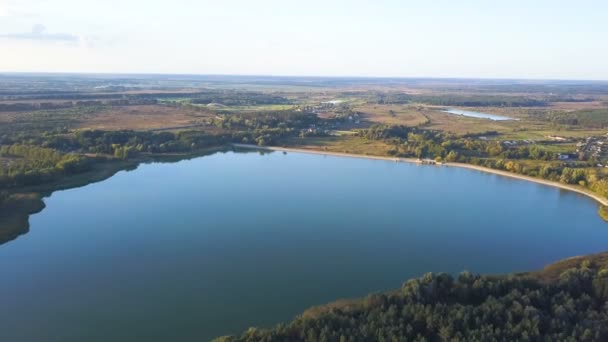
(27, 165)
(479, 101)
(239, 99)
(460, 100)
(563, 303)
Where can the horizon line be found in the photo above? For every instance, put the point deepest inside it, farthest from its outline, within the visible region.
(477, 78)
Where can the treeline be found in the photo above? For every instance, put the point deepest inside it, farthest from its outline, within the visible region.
(479, 101)
(60, 95)
(439, 307)
(29, 165)
(461, 100)
(271, 119)
(267, 128)
(68, 154)
(239, 99)
(560, 172)
(410, 142)
(27, 106)
(591, 118)
(126, 144)
(419, 143)
(33, 158)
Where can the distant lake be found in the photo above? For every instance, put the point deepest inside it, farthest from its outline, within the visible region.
(191, 250)
(477, 114)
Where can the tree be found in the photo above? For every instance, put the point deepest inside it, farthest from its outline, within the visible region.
(452, 156)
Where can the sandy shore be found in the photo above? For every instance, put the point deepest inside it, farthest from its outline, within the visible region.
(601, 200)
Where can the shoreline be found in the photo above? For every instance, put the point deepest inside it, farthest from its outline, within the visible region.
(14, 218)
(597, 198)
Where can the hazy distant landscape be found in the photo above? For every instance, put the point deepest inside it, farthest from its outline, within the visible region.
(60, 132)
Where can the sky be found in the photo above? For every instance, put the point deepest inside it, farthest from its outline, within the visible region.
(541, 39)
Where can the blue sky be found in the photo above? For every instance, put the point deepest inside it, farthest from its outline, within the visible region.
(489, 39)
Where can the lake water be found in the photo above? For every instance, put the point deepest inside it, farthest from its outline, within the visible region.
(479, 115)
(210, 246)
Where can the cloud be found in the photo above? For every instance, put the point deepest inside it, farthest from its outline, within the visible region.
(39, 33)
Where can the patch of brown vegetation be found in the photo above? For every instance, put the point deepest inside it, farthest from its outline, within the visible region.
(406, 115)
(466, 125)
(144, 117)
(573, 106)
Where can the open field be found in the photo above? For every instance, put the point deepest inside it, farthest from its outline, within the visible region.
(572, 106)
(344, 144)
(462, 125)
(394, 114)
(365, 97)
(142, 118)
(138, 117)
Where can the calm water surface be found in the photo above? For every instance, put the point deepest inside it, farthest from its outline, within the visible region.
(479, 115)
(210, 246)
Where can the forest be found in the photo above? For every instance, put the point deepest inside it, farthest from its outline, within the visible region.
(34, 165)
(469, 307)
(238, 99)
(461, 100)
(34, 158)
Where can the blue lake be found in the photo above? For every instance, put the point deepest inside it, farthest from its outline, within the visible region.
(478, 115)
(191, 250)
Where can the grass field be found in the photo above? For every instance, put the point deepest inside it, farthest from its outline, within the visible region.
(529, 125)
(393, 114)
(145, 117)
(141, 117)
(343, 144)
